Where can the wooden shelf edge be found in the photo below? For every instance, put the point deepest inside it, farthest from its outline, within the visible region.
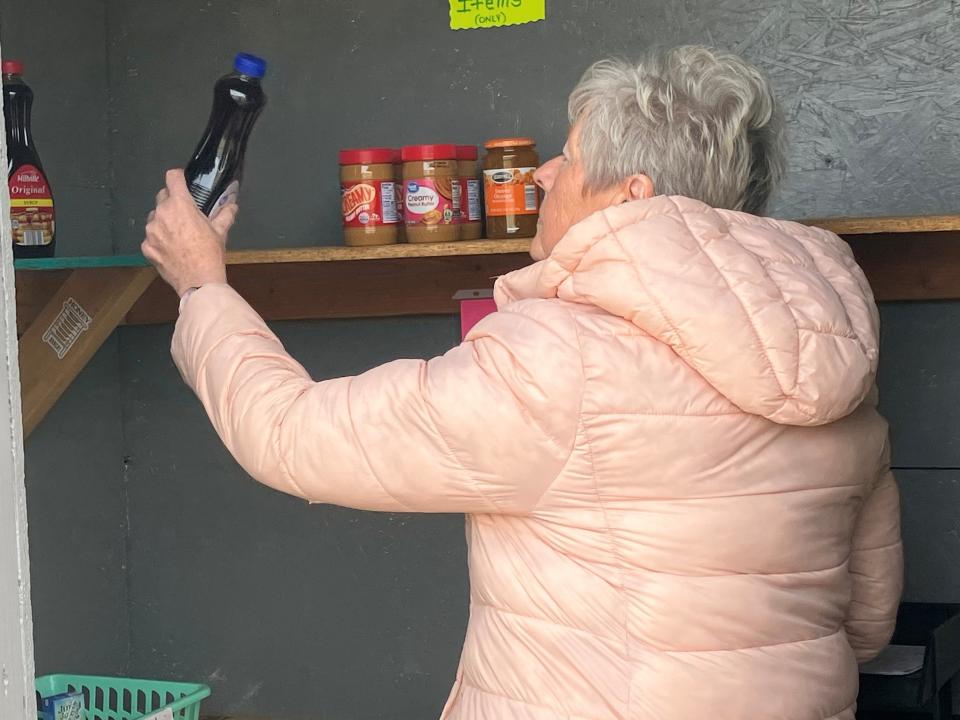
(349, 289)
(312, 254)
(887, 224)
(847, 227)
(342, 253)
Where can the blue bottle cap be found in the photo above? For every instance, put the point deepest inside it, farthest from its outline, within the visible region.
(251, 65)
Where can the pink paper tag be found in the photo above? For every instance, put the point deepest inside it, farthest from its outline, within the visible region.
(473, 311)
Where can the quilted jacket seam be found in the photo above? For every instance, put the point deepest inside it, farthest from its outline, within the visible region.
(874, 548)
(453, 456)
(583, 391)
(745, 574)
(830, 333)
(284, 468)
(496, 693)
(737, 496)
(277, 436)
(747, 648)
(621, 566)
(363, 451)
(552, 623)
(649, 413)
(523, 408)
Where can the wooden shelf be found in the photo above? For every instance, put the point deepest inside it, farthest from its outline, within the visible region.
(383, 252)
(905, 258)
(887, 224)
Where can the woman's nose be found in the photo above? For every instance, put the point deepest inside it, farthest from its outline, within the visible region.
(546, 174)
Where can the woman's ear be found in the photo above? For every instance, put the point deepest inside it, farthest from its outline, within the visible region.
(639, 187)
(635, 187)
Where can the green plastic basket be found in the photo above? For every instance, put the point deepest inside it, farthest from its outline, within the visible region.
(110, 698)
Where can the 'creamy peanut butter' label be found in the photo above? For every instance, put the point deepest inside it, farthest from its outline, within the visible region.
(431, 201)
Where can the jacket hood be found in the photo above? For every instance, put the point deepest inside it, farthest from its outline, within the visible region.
(776, 316)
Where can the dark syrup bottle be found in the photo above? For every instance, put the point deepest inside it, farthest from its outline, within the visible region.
(31, 200)
(214, 172)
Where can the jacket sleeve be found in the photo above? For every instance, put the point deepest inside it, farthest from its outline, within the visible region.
(483, 429)
(876, 569)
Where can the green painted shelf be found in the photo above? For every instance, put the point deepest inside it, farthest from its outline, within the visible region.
(71, 263)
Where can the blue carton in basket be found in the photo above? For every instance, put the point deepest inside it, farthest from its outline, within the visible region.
(65, 706)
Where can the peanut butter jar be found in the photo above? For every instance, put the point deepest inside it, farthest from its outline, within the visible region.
(431, 193)
(368, 196)
(511, 197)
(471, 225)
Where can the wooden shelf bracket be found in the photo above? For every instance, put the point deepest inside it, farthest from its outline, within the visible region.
(70, 328)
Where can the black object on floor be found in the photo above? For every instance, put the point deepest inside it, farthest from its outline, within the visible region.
(928, 692)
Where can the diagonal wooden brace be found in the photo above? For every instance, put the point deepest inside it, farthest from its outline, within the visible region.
(72, 326)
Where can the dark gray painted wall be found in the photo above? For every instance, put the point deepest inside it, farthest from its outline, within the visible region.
(75, 502)
(920, 385)
(284, 608)
(77, 515)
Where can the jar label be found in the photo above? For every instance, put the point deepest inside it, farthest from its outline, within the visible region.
(431, 201)
(511, 191)
(31, 207)
(470, 200)
(369, 203)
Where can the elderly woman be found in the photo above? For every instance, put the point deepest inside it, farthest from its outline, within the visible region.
(679, 504)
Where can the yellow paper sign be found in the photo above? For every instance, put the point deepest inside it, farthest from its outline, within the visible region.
(471, 14)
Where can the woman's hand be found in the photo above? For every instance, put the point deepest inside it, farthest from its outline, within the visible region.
(187, 249)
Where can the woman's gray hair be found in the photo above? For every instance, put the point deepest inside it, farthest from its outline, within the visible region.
(698, 122)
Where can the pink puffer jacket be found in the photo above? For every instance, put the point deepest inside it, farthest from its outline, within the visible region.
(666, 441)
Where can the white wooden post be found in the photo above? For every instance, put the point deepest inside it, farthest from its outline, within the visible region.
(16, 622)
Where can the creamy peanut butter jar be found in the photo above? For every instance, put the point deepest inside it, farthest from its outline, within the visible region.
(431, 193)
(368, 196)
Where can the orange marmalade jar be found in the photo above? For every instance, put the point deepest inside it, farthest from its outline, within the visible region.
(511, 196)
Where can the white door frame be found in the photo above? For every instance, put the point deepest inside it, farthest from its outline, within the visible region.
(17, 699)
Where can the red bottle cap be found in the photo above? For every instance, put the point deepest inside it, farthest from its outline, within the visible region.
(11, 67)
(417, 153)
(368, 156)
(467, 152)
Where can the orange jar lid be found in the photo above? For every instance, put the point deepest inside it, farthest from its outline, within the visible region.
(509, 142)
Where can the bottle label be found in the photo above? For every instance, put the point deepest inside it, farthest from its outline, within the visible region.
(369, 203)
(511, 191)
(228, 195)
(431, 201)
(470, 200)
(31, 207)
